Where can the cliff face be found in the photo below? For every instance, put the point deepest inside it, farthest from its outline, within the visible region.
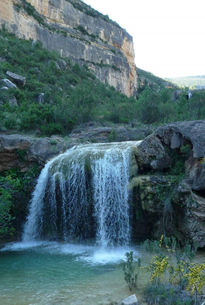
(78, 32)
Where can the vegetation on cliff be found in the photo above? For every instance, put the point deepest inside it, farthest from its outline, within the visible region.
(15, 190)
(71, 95)
(59, 95)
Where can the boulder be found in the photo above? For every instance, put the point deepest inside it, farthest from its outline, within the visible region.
(7, 83)
(152, 153)
(184, 142)
(176, 134)
(131, 300)
(13, 102)
(16, 78)
(62, 64)
(154, 150)
(40, 98)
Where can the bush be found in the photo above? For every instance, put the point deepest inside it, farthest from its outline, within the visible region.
(167, 295)
(131, 270)
(15, 190)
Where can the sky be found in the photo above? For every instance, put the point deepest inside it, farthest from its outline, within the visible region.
(169, 35)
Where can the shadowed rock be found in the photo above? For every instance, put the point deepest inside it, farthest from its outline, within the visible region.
(18, 79)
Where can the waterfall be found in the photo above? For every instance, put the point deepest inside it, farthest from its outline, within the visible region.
(83, 194)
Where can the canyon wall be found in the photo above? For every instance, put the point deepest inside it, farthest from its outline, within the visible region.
(79, 32)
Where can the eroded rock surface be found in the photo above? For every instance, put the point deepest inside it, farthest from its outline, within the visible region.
(178, 151)
(167, 173)
(79, 32)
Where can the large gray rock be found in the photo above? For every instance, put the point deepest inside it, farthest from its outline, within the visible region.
(13, 101)
(176, 134)
(187, 200)
(7, 83)
(131, 300)
(154, 150)
(16, 78)
(152, 153)
(33, 149)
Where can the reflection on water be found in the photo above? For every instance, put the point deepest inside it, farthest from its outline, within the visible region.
(48, 273)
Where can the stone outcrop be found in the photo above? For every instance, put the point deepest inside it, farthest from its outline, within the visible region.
(173, 136)
(17, 151)
(175, 202)
(167, 173)
(20, 150)
(18, 79)
(76, 31)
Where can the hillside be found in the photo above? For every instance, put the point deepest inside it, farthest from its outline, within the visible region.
(147, 79)
(78, 32)
(57, 96)
(193, 82)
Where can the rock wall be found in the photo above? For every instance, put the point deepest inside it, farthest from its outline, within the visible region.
(170, 187)
(76, 31)
(167, 174)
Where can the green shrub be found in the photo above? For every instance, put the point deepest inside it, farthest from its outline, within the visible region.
(166, 294)
(131, 270)
(15, 190)
(6, 228)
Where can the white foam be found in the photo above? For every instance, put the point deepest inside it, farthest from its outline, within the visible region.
(104, 256)
(90, 254)
(19, 246)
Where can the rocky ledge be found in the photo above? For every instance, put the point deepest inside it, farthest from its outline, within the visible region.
(170, 187)
(22, 150)
(167, 178)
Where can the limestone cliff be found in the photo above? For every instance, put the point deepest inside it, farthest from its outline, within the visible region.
(79, 32)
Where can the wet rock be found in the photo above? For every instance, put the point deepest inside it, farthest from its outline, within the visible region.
(131, 300)
(7, 83)
(16, 78)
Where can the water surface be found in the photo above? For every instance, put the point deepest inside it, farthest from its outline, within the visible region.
(59, 274)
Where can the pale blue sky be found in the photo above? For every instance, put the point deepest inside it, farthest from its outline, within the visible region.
(169, 35)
